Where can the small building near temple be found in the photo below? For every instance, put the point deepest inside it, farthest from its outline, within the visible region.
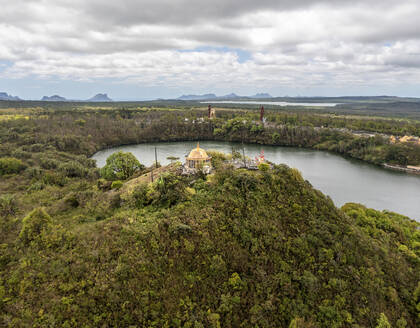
(198, 160)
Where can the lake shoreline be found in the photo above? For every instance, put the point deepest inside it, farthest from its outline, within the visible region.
(402, 169)
(385, 166)
(345, 179)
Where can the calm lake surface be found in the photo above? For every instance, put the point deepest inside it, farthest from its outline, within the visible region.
(344, 180)
(276, 103)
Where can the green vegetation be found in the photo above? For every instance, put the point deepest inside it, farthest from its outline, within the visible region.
(120, 165)
(236, 248)
(241, 248)
(61, 131)
(374, 149)
(10, 165)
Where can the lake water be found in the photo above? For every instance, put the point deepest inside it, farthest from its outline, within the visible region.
(344, 180)
(275, 103)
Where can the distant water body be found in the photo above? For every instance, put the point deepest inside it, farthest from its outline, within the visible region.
(344, 180)
(275, 103)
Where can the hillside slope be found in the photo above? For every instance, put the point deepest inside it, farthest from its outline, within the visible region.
(238, 249)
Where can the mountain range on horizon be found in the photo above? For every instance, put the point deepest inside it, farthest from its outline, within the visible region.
(212, 96)
(103, 97)
(6, 96)
(100, 97)
(53, 98)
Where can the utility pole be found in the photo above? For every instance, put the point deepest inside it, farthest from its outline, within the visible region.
(243, 153)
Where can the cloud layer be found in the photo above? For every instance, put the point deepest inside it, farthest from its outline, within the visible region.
(185, 43)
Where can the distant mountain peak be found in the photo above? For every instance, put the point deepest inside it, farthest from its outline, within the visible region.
(230, 96)
(53, 98)
(5, 96)
(100, 97)
(262, 95)
(198, 97)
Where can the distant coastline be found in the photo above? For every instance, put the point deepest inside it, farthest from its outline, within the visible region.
(408, 169)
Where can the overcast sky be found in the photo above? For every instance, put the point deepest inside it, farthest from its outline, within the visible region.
(137, 49)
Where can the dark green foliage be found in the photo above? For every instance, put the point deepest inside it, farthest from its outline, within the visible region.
(34, 226)
(127, 126)
(8, 205)
(263, 167)
(19, 153)
(49, 163)
(120, 165)
(217, 158)
(54, 179)
(33, 172)
(168, 190)
(117, 184)
(10, 165)
(257, 248)
(73, 169)
(140, 196)
(235, 249)
(104, 185)
(383, 322)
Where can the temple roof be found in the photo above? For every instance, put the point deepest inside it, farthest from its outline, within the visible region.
(197, 154)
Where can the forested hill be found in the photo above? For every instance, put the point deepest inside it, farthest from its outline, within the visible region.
(236, 249)
(83, 247)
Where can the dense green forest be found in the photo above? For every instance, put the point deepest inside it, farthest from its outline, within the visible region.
(83, 247)
(85, 131)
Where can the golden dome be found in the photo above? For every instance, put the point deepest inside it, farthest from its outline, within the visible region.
(197, 154)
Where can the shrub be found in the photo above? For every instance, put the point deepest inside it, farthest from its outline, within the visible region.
(36, 148)
(33, 172)
(104, 185)
(217, 157)
(54, 179)
(48, 163)
(80, 122)
(116, 184)
(34, 225)
(10, 165)
(169, 189)
(263, 167)
(180, 229)
(72, 200)
(140, 196)
(73, 169)
(80, 218)
(8, 205)
(120, 166)
(19, 153)
(114, 200)
(383, 322)
(36, 186)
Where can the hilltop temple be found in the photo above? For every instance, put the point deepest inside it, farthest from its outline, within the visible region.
(198, 159)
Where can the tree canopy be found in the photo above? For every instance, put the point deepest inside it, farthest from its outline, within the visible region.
(120, 166)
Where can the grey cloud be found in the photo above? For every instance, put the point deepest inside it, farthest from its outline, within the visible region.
(406, 60)
(182, 12)
(301, 42)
